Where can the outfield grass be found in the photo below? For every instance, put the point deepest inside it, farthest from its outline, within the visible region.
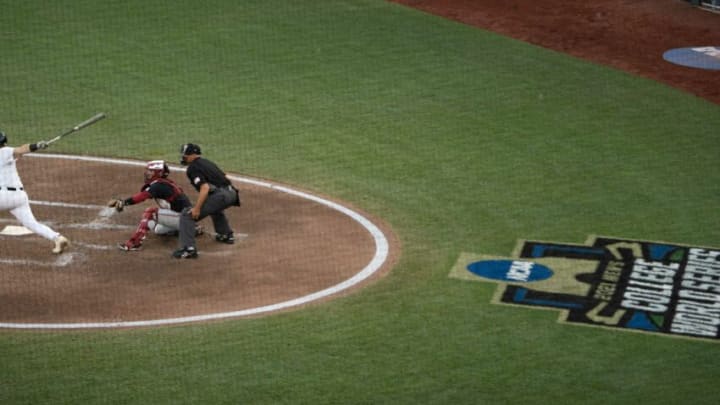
(462, 140)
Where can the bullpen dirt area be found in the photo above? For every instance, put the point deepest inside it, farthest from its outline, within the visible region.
(630, 35)
(292, 248)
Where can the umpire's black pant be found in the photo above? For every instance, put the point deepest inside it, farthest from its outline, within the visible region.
(215, 205)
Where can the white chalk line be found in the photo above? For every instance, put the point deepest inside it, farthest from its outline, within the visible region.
(96, 226)
(62, 260)
(69, 205)
(94, 246)
(91, 225)
(102, 221)
(99, 223)
(382, 250)
(103, 217)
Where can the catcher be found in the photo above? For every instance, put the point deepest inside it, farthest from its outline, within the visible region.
(163, 219)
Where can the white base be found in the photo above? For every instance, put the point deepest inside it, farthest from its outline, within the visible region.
(13, 230)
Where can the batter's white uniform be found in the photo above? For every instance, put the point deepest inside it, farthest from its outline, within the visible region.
(14, 198)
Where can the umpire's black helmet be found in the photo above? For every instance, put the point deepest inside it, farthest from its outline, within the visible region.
(3, 138)
(188, 149)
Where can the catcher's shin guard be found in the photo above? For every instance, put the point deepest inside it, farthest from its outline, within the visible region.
(149, 215)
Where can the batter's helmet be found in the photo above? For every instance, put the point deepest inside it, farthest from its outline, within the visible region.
(3, 138)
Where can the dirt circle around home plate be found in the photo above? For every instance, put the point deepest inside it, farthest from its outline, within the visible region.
(293, 248)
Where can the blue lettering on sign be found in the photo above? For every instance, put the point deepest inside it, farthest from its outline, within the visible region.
(517, 271)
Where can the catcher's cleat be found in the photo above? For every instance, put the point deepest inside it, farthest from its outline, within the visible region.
(61, 243)
(198, 231)
(188, 252)
(169, 234)
(225, 238)
(127, 246)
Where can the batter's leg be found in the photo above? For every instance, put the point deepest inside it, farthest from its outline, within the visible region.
(27, 219)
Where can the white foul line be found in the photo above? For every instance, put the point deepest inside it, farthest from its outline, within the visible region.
(103, 216)
(61, 261)
(101, 222)
(67, 205)
(381, 254)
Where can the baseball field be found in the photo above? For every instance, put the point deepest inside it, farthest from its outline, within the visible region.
(461, 141)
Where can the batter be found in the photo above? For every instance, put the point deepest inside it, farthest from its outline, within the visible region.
(13, 197)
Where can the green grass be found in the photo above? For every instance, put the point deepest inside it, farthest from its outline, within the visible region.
(462, 140)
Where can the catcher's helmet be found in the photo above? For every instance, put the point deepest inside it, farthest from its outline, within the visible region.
(3, 138)
(188, 149)
(156, 169)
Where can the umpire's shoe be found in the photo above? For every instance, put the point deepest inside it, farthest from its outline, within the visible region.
(225, 238)
(187, 252)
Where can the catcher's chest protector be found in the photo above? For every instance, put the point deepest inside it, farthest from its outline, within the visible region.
(176, 190)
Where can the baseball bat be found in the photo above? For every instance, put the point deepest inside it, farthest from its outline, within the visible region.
(88, 122)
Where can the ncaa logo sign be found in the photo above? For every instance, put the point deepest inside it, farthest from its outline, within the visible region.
(510, 270)
(623, 284)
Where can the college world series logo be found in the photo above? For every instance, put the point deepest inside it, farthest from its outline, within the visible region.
(645, 286)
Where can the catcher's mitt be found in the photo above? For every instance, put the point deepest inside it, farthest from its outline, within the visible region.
(117, 203)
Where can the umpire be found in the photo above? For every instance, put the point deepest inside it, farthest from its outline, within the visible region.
(215, 194)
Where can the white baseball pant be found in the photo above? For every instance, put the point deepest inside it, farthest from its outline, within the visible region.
(16, 201)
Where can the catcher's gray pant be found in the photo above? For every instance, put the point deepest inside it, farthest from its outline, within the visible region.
(214, 207)
(167, 221)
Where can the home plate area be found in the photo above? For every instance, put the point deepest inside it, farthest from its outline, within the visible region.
(18, 241)
(90, 228)
(286, 247)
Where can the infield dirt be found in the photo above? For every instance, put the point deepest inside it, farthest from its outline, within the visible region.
(287, 247)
